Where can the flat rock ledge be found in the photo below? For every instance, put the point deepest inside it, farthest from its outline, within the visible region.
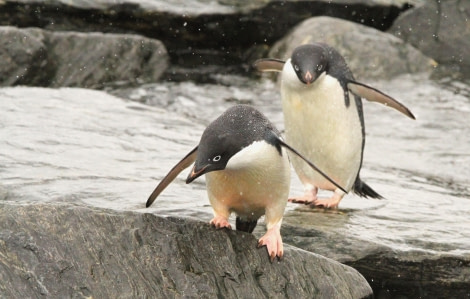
(61, 250)
(391, 273)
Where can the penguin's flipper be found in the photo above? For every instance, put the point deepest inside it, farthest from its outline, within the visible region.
(282, 143)
(182, 165)
(375, 95)
(269, 65)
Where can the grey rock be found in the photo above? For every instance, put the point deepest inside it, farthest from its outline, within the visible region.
(204, 7)
(38, 57)
(440, 29)
(370, 54)
(198, 34)
(69, 251)
(391, 273)
(23, 55)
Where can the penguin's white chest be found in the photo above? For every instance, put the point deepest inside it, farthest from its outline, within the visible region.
(255, 179)
(322, 127)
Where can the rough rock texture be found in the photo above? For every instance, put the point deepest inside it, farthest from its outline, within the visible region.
(199, 7)
(43, 58)
(62, 251)
(23, 55)
(441, 30)
(370, 54)
(391, 273)
(198, 34)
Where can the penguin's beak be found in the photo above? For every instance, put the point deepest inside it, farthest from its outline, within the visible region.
(308, 78)
(196, 173)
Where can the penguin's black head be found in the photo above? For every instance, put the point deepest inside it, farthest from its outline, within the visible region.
(309, 61)
(234, 130)
(214, 152)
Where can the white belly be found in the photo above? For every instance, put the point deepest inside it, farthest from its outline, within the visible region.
(320, 126)
(251, 185)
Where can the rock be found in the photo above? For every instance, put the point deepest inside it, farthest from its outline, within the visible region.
(69, 251)
(370, 54)
(37, 57)
(391, 273)
(198, 35)
(440, 29)
(23, 55)
(55, 159)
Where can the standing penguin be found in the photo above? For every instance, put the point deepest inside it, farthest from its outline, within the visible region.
(324, 119)
(247, 172)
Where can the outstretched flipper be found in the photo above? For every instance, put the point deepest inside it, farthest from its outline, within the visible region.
(182, 165)
(375, 95)
(269, 65)
(282, 143)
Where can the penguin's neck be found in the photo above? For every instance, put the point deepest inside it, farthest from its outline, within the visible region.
(252, 157)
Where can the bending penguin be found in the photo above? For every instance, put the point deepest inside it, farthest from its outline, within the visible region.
(247, 172)
(324, 119)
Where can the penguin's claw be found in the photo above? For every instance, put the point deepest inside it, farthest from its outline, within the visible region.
(307, 199)
(273, 242)
(220, 222)
(329, 203)
(301, 200)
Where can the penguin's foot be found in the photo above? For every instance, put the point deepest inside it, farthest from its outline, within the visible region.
(220, 222)
(329, 203)
(273, 242)
(309, 197)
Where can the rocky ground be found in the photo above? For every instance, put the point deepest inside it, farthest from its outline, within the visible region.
(108, 44)
(64, 251)
(228, 37)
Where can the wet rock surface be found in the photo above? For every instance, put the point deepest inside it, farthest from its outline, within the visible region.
(69, 251)
(391, 273)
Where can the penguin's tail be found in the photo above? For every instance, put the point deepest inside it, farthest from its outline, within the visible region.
(364, 190)
(245, 225)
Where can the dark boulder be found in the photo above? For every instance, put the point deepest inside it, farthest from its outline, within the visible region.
(441, 30)
(93, 60)
(23, 55)
(198, 34)
(68, 251)
(371, 54)
(392, 273)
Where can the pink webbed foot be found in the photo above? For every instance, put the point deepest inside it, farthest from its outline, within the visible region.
(273, 242)
(309, 197)
(327, 203)
(220, 222)
(330, 203)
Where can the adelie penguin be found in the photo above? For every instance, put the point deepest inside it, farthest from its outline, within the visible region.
(247, 172)
(324, 121)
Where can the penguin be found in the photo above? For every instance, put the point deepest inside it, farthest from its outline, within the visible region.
(324, 121)
(247, 172)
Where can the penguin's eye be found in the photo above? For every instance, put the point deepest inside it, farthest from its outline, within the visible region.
(320, 67)
(216, 158)
(296, 67)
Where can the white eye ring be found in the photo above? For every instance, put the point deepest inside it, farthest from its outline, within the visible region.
(296, 67)
(320, 67)
(216, 158)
